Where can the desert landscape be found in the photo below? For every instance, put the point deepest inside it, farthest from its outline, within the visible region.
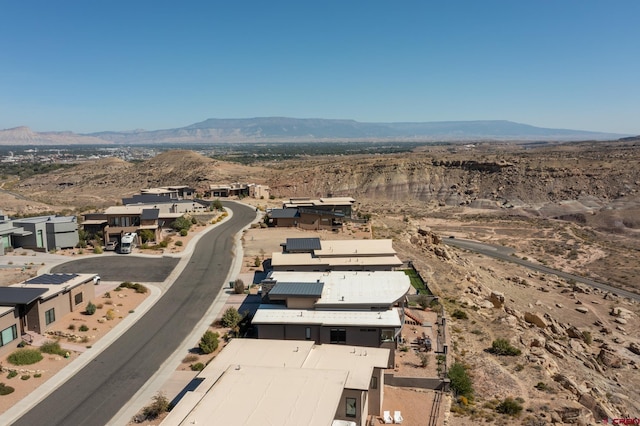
(574, 207)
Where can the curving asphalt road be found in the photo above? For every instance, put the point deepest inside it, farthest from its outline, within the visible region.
(98, 391)
(504, 253)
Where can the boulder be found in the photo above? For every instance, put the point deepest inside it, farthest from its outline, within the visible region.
(555, 349)
(609, 358)
(620, 320)
(582, 309)
(634, 347)
(620, 312)
(535, 319)
(568, 384)
(574, 333)
(497, 299)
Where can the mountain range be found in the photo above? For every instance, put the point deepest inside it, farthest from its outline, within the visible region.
(283, 129)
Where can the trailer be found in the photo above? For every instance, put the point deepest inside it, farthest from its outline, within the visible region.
(128, 242)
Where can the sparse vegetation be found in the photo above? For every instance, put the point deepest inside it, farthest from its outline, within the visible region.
(159, 406)
(90, 309)
(510, 407)
(198, 366)
(209, 342)
(5, 390)
(53, 348)
(25, 357)
(83, 327)
(460, 314)
(503, 347)
(231, 318)
(139, 288)
(461, 384)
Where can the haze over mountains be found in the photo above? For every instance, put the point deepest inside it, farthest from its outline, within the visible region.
(283, 129)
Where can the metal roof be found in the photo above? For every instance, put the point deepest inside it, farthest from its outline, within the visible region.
(306, 244)
(299, 289)
(150, 214)
(284, 213)
(51, 279)
(20, 295)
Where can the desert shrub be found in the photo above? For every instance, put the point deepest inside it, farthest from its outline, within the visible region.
(25, 357)
(110, 314)
(184, 232)
(423, 301)
(256, 261)
(503, 347)
(209, 342)
(90, 309)
(71, 327)
(509, 406)
(25, 377)
(542, 386)
(190, 359)
(107, 295)
(83, 327)
(181, 224)
(238, 286)
(37, 375)
(12, 374)
(159, 405)
(52, 347)
(198, 366)
(147, 235)
(179, 243)
(586, 336)
(97, 250)
(139, 288)
(5, 390)
(459, 314)
(231, 318)
(424, 359)
(217, 204)
(460, 381)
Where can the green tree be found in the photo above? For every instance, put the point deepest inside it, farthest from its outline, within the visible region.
(460, 381)
(181, 223)
(231, 318)
(238, 286)
(209, 342)
(217, 204)
(147, 235)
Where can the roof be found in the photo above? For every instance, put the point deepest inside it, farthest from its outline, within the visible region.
(307, 244)
(94, 222)
(52, 284)
(20, 296)
(278, 314)
(4, 310)
(15, 231)
(284, 213)
(297, 289)
(359, 361)
(51, 219)
(348, 288)
(306, 259)
(276, 382)
(150, 214)
(249, 395)
(55, 279)
(332, 248)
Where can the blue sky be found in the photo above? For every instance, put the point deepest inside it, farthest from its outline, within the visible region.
(89, 66)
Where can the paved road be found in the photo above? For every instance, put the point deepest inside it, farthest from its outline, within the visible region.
(504, 253)
(122, 267)
(96, 393)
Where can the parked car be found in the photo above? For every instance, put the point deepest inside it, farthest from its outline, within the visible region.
(111, 246)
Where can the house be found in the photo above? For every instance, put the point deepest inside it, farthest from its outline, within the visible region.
(341, 205)
(8, 233)
(179, 192)
(313, 254)
(337, 307)
(35, 304)
(306, 213)
(290, 382)
(46, 233)
(238, 189)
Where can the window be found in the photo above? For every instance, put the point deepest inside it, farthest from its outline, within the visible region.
(78, 298)
(8, 334)
(50, 316)
(374, 382)
(307, 333)
(351, 407)
(338, 335)
(387, 335)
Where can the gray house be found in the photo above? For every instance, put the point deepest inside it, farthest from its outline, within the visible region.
(47, 232)
(8, 233)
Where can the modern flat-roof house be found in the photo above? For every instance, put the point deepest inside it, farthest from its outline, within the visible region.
(328, 204)
(310, 214)
(237, 189)
(9, 232)
(313, 254)
(289, 383)
(177, 192)
(35, 304)
(338, 307)
(46, 232)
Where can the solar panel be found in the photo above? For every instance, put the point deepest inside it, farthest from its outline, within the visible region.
(297, 289)
(306, 244)
(55, 279)
(19, 295)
